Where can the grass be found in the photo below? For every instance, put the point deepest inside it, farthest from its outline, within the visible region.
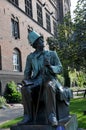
(8, 124)
(77, 106)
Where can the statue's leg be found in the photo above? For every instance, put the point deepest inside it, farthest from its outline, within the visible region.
(50, 100)
(27, 104)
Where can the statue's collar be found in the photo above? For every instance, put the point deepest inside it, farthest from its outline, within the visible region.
(38, 53)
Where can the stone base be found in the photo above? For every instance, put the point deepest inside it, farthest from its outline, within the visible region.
(70, 124)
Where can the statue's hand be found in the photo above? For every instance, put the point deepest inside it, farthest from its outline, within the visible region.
(46, 62)
(27, 82)
(31, 87)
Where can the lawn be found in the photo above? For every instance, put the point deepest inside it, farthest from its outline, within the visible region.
(8, 124)
(77, 106)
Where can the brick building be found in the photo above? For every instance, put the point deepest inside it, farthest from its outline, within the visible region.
(17, 17)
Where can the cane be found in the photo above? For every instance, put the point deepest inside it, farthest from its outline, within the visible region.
(37, 104)
(43, 74)
(43, 71)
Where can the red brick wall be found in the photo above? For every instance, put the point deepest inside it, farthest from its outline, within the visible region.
(8, 43)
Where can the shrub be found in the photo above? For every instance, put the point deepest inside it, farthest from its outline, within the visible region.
(61, 79)
(12, 95)
(2, 101)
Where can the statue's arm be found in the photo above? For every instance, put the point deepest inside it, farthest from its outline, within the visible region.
(27, 71)
(56, 66)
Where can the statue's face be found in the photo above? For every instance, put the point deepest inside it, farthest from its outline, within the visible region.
(39, 45)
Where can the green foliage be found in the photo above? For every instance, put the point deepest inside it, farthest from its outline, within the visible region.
(52, 42)
(78, 106)
(2, 101)
(63, 45)
(12, 95)
(71, 41)
(79, 33)
(80, 11)
(79, 77)
(61, 79)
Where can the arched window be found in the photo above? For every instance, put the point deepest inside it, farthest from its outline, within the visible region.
(16, 60)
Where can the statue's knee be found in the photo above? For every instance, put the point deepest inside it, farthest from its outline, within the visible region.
(51, 86)
(23, 89)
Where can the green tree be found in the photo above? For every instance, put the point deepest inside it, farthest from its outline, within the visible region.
(63, 47)
(71, 41)
(79, 33)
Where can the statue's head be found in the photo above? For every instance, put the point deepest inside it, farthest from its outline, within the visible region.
(34, 39)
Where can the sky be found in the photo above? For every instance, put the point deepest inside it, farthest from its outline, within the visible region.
(73, 5)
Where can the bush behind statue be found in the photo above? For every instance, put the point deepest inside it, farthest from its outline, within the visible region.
(2, 101)
(12, 95)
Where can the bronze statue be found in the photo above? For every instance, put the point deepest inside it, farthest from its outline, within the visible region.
(40, 81)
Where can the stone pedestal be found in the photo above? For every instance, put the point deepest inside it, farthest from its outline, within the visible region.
(70, 124)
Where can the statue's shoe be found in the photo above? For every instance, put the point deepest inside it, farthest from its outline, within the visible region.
(53, 120)
(25, 120)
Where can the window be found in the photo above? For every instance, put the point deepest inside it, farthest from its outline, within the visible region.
(55, 28)
(48, 24)
(39, 14)
(28, 7)
(15, 2)
(16, 60)
(15, 28)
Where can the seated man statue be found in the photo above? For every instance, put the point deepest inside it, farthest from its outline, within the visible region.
(40, 78)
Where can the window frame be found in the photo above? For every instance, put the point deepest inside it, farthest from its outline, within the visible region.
(15, 2)
(39, 14)
(15, 28)
(48, 22)
(16, 60)
(28, 8)
(54, 28)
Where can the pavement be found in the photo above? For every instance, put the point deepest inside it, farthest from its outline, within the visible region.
(11, 112)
